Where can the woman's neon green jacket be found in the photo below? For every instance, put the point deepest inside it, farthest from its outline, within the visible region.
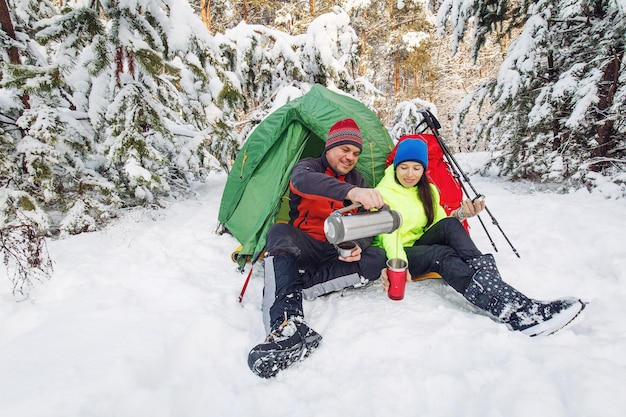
(407, 202)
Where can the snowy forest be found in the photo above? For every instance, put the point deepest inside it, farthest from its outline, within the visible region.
(112, 104)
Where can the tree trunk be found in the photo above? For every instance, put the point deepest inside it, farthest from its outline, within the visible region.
(606, 93)
(205, 12)
(396, 73)
(396, 63)
(362, 63)
(245, 11)
(7, 27)
(14, 55)
(556, 131)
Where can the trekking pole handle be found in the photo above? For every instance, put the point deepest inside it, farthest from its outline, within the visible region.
(477, 197)
(430, 119)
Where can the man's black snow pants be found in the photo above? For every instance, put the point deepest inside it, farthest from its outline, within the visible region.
(298, 266)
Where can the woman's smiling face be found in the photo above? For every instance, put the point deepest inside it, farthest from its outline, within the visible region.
(409, 173)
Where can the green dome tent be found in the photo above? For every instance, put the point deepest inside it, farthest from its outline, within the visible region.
(259, 178)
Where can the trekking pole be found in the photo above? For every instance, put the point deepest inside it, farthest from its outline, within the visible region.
(434, 125)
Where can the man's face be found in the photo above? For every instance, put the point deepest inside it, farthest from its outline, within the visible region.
(343, 158)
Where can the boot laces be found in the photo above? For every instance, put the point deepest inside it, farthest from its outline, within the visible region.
(284, 330)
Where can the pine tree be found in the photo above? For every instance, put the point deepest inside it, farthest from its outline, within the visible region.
(264, 60)
(153, 79)
(24, 75)
(267, 61)
(394, 51)
(117, 114)
(57, 146)
(335, 63)
(23, 222)
(557, 106)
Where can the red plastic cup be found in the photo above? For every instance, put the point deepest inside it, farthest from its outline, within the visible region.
(396, 272)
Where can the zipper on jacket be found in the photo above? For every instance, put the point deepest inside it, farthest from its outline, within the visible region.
(303, 220)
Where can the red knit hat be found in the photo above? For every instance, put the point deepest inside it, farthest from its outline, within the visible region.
(344, 132)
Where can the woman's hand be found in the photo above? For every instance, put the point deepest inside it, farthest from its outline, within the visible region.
(469, 208)
(385, 279)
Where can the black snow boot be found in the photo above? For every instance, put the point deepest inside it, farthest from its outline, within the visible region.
(289, 341)
(488, 292)
(485, 262)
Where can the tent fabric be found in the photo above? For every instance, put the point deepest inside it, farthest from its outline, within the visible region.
(260, 174)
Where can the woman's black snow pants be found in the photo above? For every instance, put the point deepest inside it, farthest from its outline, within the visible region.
(444, 248)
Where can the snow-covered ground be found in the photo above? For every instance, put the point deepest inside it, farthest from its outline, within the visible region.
(143, 319)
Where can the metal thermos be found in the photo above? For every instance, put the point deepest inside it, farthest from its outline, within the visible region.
(340, 228)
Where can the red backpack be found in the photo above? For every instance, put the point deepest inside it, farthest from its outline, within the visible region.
(439, 173)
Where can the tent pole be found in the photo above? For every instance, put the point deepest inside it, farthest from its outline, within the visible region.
(245, 284)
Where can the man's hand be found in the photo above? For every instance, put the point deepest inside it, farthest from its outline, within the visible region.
(368, 197)
(355, 256)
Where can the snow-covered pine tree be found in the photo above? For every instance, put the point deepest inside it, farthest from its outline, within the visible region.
(25, 170)
(76, 190)
(329, 51)
(209, 102)
(557, 105)
(407, 118)
(23, 223)
(393, 51)
(130, 60)
(156, 77)
(264, 60)
(127, 106)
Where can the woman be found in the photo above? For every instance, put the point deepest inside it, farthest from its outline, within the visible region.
(430, 241)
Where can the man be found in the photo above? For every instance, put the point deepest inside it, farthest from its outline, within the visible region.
(300, 262)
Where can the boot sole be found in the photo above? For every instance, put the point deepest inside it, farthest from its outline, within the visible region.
(267, 363)
(557, 322)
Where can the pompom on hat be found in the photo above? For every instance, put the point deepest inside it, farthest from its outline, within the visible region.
(344, 132)
(411, 150)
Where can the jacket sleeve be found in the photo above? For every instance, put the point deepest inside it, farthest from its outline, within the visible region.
(309, 180)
